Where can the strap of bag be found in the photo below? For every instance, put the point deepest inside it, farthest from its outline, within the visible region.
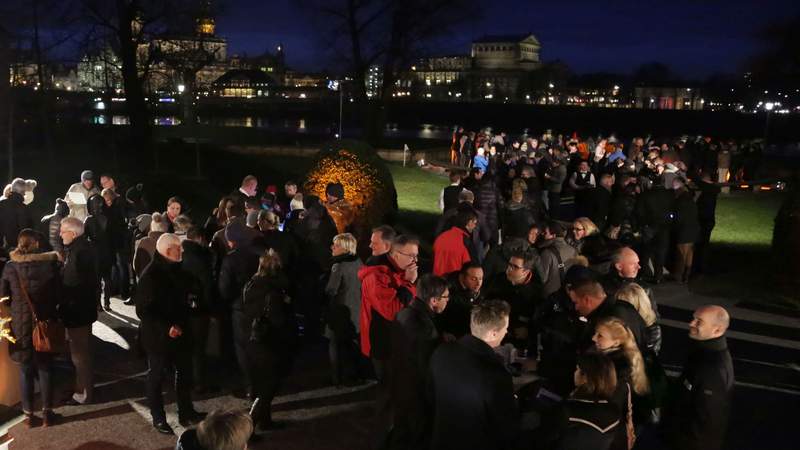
(25, 294)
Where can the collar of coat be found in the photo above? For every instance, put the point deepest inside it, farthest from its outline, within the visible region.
(712, 345)
(18, 257)
(481, 348)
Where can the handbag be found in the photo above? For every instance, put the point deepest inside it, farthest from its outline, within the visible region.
(49, 335)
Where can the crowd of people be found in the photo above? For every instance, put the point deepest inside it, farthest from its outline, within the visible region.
(530, 327)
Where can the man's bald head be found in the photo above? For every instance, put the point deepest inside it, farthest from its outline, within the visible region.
(626, 262)
(709, 322)
(169, 246)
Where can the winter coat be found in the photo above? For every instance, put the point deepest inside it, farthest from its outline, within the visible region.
(612, 283)
(653, 207)
(79, 211)
(473, 397)
(623, 311)
(197, 263)
(451, 250)
(162, 301)
(587, 424)
(517, 220)
(525, 300)
(96, 229)
(238, 266)
(685, 222)
(40, 273)
(489, 201)
(456, 316)
(15, 216)
(599, 206)
(52, 226)
(144, 250)
(384, 292)
(552, 264)
(81, 284)
(344, 291)
(256, 293)
(698, 417)
(285, 244)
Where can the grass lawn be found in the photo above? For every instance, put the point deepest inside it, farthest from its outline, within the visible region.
(746, 218)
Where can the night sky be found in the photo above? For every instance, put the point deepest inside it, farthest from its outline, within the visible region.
(696, 38)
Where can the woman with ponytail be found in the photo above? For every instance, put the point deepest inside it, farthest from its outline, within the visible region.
(613, 338)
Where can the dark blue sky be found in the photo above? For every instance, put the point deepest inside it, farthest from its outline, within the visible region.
(695, 37)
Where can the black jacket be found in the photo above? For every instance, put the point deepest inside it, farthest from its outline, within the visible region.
(456, 316)
(473, 397)
(162, 301)
(81, 285)
(612, 283)
(685, 225)
(40, 273)
(586, 424)
(621, 310)
(198, 265)
(525, 300)
(15, 216)
(257, 293)
(599, 206)
(414, 338)
(238, 266)
(698, 416)
(654, 206)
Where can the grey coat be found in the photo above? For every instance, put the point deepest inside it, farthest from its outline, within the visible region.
(549, 269)
(344, 287)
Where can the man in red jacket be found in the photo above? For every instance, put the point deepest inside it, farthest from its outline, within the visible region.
(453, 248)
(387, 286)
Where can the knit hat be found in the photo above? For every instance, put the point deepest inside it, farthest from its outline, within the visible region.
(19, 186)
(87, 175)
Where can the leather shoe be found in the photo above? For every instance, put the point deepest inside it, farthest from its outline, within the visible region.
(31, 420)
(163, 428)
(191, 418)
(49, 418)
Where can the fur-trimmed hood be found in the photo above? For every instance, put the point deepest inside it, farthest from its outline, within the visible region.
(32, 257)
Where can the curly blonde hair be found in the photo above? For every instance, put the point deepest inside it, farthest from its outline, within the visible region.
(635, 295)
(619, 332)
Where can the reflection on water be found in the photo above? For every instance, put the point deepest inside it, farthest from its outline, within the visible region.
(309, 126)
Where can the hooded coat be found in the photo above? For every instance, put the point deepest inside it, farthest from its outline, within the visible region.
(40, 273)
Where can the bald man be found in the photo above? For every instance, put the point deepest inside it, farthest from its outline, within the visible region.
(162, 305)
(698, 418)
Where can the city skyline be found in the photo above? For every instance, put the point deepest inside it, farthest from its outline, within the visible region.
(695, 39)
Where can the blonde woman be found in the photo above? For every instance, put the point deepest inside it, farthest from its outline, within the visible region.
(635, 294)
(614, 339)
(582, 227)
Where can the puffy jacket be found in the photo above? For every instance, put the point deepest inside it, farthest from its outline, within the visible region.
(384, 292)
(451, 250)
(40, 273)
(51, 224)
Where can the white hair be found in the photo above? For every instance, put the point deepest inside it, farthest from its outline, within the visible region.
(72, 224)
(165, 241)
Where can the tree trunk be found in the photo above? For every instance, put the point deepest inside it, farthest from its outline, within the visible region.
(141, 128)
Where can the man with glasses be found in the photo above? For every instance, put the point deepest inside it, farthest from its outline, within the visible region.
(414, 338)
(387, 286)
(465, 291)
(523, 291)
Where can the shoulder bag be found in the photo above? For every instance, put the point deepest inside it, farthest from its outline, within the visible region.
(48, 335)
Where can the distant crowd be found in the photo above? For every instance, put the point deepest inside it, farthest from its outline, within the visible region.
(530, 327)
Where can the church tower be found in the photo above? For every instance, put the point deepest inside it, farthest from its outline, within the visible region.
(205, 24)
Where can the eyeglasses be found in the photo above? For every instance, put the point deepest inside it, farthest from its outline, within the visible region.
(409, 255)
(516, 267)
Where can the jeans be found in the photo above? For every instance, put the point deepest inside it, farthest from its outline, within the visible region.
(157, 363)
(43, 364)
(80, 351)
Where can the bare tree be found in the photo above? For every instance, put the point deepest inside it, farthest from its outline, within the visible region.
(389, 33)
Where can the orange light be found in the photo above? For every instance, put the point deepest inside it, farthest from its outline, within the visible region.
(766, 188)
(744, 186)
(728, 176)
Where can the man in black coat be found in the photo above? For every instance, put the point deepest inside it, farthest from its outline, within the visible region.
(414, 338)
(471, 389)
(599, 203)
(81, 296)
(698, 417)
(653, 210)
(199, 266)
(465, 291)
(523, 291)
(238, 266)
(162, 304)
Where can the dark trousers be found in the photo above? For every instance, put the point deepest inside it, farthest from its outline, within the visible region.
(267, 368)
(120, 275)
(158, 363)
(199, 343)
(241, 336)
(554, 201)
(384, 420)
(656, 250)
(701, 246)
(42, 365)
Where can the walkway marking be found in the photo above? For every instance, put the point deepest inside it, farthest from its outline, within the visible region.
(123, 318)
(742, 336)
